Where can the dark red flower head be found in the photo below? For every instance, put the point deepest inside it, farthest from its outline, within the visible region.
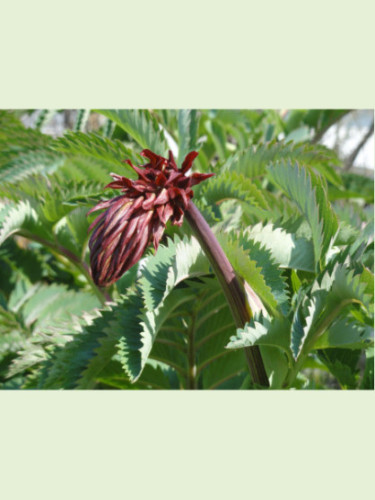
(138, 216)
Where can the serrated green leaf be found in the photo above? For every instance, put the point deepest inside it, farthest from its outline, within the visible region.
(68, 362)
(172, 308)
(231, 185)
(268, 334)
(141, 126)
(342, 363)
(188, 122)
(53, 302)
(84, 169)
(24, 152)
(346, 334)
(272, 274)
(263, 331)
(254, 161)
(330, 294)
(72, 231)
(155, 273)
(11, 338)
(218, 135)
(250, 270)
(311, 200)
(14, 136)
(110, 153)
(286, 249)
(160, 299)
(21, 217)
(48, 314)
(104, 352)
(29, 163)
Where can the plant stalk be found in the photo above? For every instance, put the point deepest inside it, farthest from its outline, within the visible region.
(231, 286)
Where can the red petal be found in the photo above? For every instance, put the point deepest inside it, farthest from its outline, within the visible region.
(160, 179)
(164, 212)
(105, 204)
(119, 182)
(185, 198)
(140, 172)
(111, 257)
(141, 186)
(156, 160)
(96, 221)
(183, 182)
(149, 203)
(157, 233)
(178, 217)
(135, 249)
(197, 178)
(162, 198)
(93, 237)
(168, 212)
(116, 185)
(153, 157)
(172, 162)
(173, 192)
(187, 163)
(174, 177)
(117, 220)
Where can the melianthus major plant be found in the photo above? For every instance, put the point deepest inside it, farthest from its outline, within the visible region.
(297, 232)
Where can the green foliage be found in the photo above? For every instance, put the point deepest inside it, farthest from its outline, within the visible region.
(24, 152)
(126, 331)
(286, 248)
(274, 337)
(255, 265)
(342, 363)
(297, 229)
(234, 186)
(368, 376)
(109, 154)
(141, 126)
(18, 218)
(188, 121)
(170, 289)
(253, 161)
(39, 315)
(310, 197)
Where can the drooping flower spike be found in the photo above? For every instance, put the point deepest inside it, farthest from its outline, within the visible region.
(138, 217)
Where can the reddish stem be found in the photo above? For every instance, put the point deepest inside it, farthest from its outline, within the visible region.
(231, 286)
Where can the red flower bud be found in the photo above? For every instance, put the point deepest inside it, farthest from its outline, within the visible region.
(138, 217)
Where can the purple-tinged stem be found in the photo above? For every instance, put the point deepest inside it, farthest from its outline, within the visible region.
(230, 284)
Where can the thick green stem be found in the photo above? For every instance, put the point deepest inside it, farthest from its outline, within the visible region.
(231, 286)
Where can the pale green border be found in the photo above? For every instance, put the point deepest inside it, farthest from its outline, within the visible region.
(227, 445)
(170, 54)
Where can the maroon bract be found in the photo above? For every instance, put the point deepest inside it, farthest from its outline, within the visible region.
(138, 217)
